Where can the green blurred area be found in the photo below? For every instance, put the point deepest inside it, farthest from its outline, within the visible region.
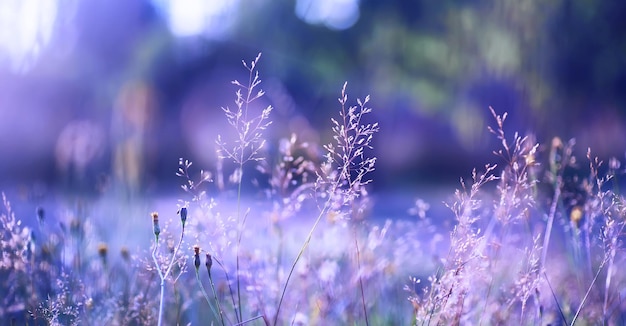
(558, 67)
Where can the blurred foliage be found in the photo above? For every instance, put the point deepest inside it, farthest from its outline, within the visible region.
(432, 68)
(445, 55)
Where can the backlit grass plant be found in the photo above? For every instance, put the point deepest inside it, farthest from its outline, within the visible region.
(535, 239)
(501, 267)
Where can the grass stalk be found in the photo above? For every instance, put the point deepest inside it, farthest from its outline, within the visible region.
(206, 296)
(582, 303)
(358, 264)
(230, 289)
(163, 276)
(239, 234)
(208, 264)
(248, 320)
(555, 299)
(551, 215)
(307, 240)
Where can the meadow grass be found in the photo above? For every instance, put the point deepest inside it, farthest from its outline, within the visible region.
(536, 239)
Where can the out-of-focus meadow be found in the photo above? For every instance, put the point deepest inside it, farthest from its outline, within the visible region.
(116, 91)
(108, 107)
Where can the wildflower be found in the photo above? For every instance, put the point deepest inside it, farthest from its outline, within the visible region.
(155, 222)
(183, 215)
(125, 254)
(554, 158)
(576, 215)
(196, 255)
(102, 252)
(334, 216)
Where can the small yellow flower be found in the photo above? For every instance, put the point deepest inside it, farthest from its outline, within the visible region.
(576, 215)
(333, 216)
(530, 159)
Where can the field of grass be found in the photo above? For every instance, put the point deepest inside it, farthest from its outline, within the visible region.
(534, 238)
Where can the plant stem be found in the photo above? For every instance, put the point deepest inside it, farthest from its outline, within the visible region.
(230, 289)
(162, 275)
(219, 308)
(302, 249)
(546, 236)
(248, 320)
(582, 303)
(239, 232)
(358, 264)
(206, 296)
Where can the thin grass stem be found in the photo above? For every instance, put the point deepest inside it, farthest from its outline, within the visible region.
(301, 252)
(230, 288)
(582, 303)
(217, 301)
(163, 276)
(358, 263)
(206, 296)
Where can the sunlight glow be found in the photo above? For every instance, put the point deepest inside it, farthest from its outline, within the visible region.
(211, 18)
(26, 27)
(334, 14)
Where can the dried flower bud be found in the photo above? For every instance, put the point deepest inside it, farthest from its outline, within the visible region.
(183, 215)
(125, 254)
(155, 222)
(102, 251)
(208, 263)
(41, 214)
(196, 255)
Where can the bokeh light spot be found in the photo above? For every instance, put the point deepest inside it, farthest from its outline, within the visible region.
(26, 27)
(334, 14)
(199, 17)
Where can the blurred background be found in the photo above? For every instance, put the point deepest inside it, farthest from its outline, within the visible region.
(99, 92)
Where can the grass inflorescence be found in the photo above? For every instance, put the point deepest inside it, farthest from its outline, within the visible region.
(534, 238)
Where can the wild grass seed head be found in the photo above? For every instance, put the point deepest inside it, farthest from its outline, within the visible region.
(248, 125)
(347, 166)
